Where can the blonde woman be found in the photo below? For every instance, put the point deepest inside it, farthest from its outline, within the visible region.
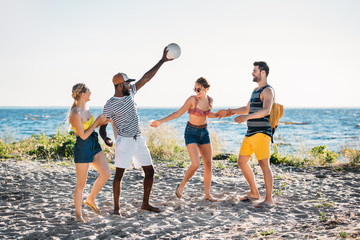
(197, 138)
(87, 149)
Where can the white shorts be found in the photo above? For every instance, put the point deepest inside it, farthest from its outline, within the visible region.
(127, 149)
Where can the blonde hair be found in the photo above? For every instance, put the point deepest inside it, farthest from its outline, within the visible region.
(77, 90)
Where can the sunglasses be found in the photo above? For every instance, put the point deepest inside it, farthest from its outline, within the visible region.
(197, 90)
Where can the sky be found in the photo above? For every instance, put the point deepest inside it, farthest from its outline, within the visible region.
(311, 46)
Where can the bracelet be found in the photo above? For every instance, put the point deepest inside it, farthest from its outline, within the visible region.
(228, 112)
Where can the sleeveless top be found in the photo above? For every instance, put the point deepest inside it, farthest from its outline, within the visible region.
(197, 112)
(258, 125)
(86, 124)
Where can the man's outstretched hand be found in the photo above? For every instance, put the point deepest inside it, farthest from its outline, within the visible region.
(224, 113)
(241, 118)
(221, 114)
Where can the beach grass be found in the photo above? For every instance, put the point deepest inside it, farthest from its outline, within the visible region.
(163, 143)
(352, 155)
(166, 144)
(58, 146)
(315, 156)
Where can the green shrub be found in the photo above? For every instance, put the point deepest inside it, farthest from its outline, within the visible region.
(233, 158)
(64, 144)
(41, 146)
(267, 232)
(323, 217)
(56, 146)
(219, 165)
(323, 155)
(4, 150)
(182, 164)
(343, 234)
(316, 156)
(277, 158)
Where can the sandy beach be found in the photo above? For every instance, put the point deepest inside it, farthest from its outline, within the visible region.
(36, 202)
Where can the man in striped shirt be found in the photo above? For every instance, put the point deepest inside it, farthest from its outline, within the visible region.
(257, 139)
(130, 145)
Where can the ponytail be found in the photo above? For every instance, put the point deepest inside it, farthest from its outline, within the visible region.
(72, 107)
(77, 90)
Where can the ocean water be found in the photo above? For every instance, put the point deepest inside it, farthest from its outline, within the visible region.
(298, 129)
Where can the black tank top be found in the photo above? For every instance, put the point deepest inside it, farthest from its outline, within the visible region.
(258, 125)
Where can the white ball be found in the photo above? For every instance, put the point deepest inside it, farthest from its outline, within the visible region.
(174, 50)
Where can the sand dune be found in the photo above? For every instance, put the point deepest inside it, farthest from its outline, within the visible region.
(319, 203)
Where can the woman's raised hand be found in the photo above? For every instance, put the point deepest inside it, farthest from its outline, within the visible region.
(155, 123)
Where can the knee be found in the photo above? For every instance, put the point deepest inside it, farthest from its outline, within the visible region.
(242, 163)
(149, 172)
(106, 175)
(207, 164)
(264, 163)
(118, 176)
(80, 185)
(195, 166)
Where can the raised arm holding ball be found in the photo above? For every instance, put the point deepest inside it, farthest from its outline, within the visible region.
(130, 145)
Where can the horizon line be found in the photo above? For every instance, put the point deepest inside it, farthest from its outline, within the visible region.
(172, 107)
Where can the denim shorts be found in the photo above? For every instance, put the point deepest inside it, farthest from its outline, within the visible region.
(196, 134)
(85, 150)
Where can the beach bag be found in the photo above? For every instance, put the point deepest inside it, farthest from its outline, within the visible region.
(277, 111)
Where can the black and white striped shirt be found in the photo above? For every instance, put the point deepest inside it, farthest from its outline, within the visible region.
(122, 110)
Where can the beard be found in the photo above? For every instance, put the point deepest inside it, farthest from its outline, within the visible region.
(256, 79)
(126, 92)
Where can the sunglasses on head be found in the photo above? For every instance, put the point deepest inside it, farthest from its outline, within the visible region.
(197, 90)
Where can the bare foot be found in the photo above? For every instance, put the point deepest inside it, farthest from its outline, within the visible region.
(249, 197)
(265, 204)
(116, 212)
(211, 199)
(151, 208)
(79, 219)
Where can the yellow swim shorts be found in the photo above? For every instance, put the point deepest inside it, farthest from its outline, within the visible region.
(258, 143)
